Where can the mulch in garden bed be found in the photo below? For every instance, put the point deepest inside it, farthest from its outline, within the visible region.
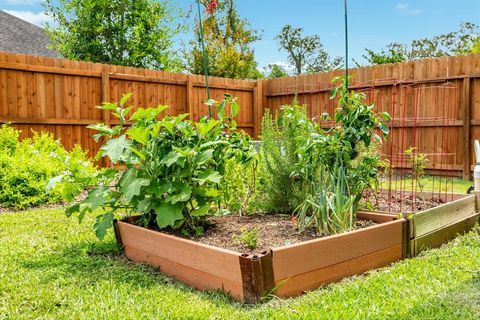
(273, 231)
(400, 202)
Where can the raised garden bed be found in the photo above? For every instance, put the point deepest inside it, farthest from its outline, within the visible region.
(285, 270)
(430, 228)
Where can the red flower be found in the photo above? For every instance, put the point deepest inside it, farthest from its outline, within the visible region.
(212, 5)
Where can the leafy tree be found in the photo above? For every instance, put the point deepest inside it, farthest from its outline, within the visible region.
(305, 53)
(228, 41)
(323, 62)
(275, 71)
(136, 33)
(476, 46)
(449, 44)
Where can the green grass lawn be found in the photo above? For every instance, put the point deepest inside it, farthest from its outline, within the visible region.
(430, 183)
(51, 268)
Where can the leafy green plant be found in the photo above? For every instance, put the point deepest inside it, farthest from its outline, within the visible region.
(330, 209)
(240, 185)
(282, 137)
(174, 167)
(343, 164)
(418, 162)
(247, 237)
(26, 166)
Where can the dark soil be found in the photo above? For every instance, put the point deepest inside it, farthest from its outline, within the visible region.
(400, 202)
(273, 231)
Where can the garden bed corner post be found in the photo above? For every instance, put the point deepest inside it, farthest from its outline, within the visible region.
(257, 276)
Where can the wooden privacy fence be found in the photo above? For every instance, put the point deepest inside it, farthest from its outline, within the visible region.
(435, 103)
(45, 94)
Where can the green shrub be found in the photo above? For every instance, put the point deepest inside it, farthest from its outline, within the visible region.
(26, 167)
(282, 136)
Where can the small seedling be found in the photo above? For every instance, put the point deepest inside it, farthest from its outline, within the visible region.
(418, 163)
(247, 237)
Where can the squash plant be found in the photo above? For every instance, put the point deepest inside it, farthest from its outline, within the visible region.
(173, 167)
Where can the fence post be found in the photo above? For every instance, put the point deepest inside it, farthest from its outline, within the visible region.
(106, 95)
(257, 107)
(189, 88)
(467, 128)
(106, 98)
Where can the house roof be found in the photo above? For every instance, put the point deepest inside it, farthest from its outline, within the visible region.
(20, 36)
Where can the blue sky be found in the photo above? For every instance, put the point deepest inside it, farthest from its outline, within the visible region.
(372, 23)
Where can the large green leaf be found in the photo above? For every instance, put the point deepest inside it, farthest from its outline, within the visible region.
(125, 98)
(134, 188)
(128, 176)
(167, 214)
(235, 108)
(200, 212)
(102, 224)
(203, 157)
(209, 175)
(96, 198)
(138, 134)
(115, 148)
(148, 113)
(182, 195)
(171, 158)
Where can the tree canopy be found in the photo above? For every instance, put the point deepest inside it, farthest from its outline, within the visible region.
(306, 52)
(453, 43)
(228, 44)
(136, 33)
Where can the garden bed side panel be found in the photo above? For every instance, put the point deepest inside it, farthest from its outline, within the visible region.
(201, 266)
(308, 265)
(433, 227)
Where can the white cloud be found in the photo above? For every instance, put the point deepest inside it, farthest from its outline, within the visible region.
(405, 8)
(38, 18)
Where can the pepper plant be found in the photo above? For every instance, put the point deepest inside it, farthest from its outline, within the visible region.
(172, 168)
(344, 173)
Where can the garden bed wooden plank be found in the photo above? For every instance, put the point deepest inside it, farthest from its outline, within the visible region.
(191, 276)
(216, 261)
(446, 214)
(379, 217)
(311, 255)
(298, 284)
(438, 237)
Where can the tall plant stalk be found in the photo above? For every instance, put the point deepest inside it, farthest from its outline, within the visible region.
(204, 55)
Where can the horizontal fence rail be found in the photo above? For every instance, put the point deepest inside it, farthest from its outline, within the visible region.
(426, 98)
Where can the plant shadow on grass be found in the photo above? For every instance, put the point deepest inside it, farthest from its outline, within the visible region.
(95, 261)
(462, 302)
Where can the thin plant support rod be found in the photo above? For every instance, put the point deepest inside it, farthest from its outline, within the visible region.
(204, 55)
(346, 47)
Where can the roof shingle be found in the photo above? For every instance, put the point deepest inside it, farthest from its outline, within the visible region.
(19, 36)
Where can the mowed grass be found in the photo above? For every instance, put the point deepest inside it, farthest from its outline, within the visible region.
(52, 268)
(430, 184)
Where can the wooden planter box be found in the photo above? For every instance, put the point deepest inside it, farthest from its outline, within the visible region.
(289, 270)
(433, 227)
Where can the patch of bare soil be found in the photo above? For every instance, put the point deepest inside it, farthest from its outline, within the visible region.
(273, 231)
(400, 202)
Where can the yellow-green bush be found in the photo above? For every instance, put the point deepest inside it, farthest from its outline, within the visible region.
(26, 167)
